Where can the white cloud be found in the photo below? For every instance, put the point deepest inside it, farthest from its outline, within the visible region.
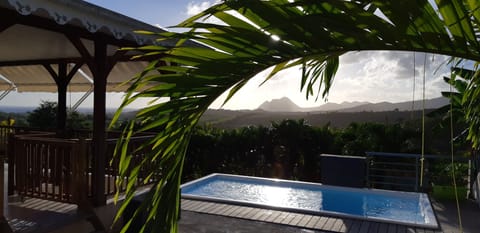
(362, 76)
(194, 8)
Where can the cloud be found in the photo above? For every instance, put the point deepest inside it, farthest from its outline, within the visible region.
(194, 8)
(374, 76)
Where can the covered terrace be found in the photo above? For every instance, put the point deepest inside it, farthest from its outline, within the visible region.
(55, 46)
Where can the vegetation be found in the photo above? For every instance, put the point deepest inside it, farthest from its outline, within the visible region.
(45, 117)
(290, 149)
(278, 34)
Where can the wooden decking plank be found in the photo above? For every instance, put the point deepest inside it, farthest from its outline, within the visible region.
(320, 223)
(296, 219)
(338, 225)
(373, 227)
(185, 204)
(288, 218)
(346, 223)
(212, 209)
(218, 209)
(204, 206)
(392, 228)
(410, 230)
(312, 221)
(304, 220)
(245, 212)
(272, 216)
(264, 215)
(236, 211)
(258, 214)
(194, 205)
(355, 226)
(224, 210)
(401, 229)
(230, 210)
(364, 227)
(281, 217)
(329, 224)
(383, 228)
(252, 213)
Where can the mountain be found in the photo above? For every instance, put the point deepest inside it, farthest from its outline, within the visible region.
(286, 105)
(334, 106)
(402, 106)
(280, 105)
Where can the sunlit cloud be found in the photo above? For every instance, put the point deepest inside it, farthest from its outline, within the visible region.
(373, 76)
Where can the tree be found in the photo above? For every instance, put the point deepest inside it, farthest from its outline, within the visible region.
(279, 34)
(44, 116)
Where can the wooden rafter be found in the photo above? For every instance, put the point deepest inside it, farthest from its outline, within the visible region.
(47, 24)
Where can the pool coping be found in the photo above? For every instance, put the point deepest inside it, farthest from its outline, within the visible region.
(434, 225)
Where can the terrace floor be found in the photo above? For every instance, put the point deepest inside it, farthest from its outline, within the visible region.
(234, 218)
(40, 216)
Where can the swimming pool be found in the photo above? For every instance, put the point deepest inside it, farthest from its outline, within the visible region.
(378, 205)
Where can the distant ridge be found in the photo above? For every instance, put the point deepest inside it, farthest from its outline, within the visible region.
(286, 105)
(280, 105)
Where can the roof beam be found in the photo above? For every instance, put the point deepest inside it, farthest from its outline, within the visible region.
(74, 60)
(48, 24)
(5, 24)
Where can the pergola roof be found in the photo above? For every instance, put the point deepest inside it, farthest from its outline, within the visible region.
(39, 33)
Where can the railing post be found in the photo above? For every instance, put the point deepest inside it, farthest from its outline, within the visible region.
(79, 188)
(416, 173)
(78, 185)
(4, 226)
(11, 163)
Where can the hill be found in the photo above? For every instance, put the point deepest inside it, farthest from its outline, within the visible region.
(235, 119)
(286, 105)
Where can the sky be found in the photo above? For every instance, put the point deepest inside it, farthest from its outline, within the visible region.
(373, 76)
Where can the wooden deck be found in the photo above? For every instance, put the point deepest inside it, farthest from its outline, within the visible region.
(41, 216)
(304, 221)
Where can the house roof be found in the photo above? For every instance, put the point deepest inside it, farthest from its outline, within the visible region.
(36, 33)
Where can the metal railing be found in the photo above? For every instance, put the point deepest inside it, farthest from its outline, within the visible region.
(398, 171)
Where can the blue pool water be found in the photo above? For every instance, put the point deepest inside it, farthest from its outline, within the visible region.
(388, 206)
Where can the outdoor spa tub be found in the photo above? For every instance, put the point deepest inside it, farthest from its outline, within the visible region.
(407, 208)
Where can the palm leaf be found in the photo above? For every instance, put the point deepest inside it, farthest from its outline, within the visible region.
(311, 33)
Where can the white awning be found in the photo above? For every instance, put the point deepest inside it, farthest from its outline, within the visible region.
(27, 43)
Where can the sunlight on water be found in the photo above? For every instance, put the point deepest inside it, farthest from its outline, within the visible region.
(407, 207)
(275, 196)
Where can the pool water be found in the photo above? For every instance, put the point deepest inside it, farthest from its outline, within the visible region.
(387, 206)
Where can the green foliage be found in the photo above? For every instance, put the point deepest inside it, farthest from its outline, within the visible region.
(44, 116)
(312, 34)
(19, 119)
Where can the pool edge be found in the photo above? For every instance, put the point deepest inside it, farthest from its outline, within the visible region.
(433, 226)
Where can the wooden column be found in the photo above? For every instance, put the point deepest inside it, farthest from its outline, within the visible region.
(62, 79)
(4, 227)
(62, 96)
(100, 65)
(100, 74)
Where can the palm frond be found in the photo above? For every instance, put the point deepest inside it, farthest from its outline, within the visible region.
(256, 35)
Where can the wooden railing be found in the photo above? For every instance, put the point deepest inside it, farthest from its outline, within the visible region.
(112, 165)
(45, 167)
(58, 169)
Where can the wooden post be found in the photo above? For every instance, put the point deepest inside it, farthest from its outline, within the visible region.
(11, 163)
(62, 79)
(62, 84)
(100, 74)
(4, 226)
(79, 187)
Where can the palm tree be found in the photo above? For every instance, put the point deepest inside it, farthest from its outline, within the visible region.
(255, 35)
